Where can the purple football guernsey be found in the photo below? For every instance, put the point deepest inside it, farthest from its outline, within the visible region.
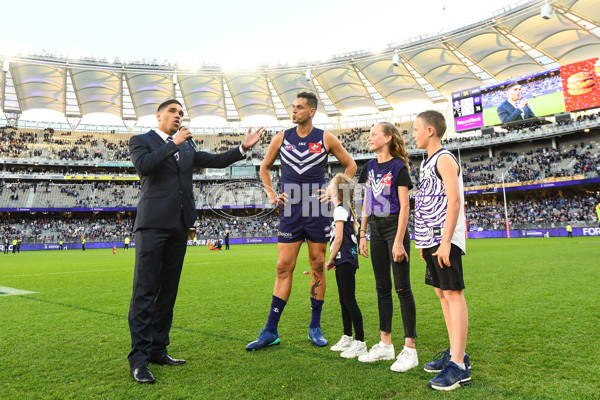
(303, 160)
(303, 165)
(382, 195)
(348, 251)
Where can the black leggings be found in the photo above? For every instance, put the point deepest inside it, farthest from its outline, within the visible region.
(383, 233)
(351, 315)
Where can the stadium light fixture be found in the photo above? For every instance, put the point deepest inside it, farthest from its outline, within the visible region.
(396, 59)
(5, 66)
(547, 11)
(308, 74)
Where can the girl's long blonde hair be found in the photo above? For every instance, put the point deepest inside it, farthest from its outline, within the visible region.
(344, 188)
(397, 145)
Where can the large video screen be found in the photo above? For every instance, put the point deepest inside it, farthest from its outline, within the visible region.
(581, 84)
(524, 98)
(466, 106)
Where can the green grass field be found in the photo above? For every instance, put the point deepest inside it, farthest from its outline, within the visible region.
(533, 334)
(547, 104)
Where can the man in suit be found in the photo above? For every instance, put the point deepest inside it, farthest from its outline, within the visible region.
(164, 160)
(514, 108)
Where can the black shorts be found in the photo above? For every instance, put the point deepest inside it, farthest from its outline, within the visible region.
(447, 278)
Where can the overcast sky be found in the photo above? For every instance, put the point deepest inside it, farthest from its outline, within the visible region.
(235, 34)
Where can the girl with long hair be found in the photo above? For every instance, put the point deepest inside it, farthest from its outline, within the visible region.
(343, 259)
(385, 210)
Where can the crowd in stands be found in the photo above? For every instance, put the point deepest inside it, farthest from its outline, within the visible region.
(51, 229)
(530, 165)
(355, 140)
(77, 195)
(118, 151)
(228, 144)
(214, 225)
(512, 132)
(17, 143)
(533, 163)
(547, 162)
(550, 210)
(77, 146)
(482, 171)
(233, 193)
(37, 170)
(587, 161)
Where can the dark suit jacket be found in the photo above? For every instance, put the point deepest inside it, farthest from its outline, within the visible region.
(508, 113)
(167, 187)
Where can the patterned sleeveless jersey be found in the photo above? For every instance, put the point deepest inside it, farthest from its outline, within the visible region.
(431, 205)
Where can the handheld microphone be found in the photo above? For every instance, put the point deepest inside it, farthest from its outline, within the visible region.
(193, 144)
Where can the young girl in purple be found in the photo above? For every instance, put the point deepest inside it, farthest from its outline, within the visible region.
(343, 259)
(385, 210)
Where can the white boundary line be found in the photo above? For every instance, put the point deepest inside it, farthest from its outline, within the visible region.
(8, 291)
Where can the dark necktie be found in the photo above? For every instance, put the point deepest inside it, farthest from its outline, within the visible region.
(176, 155)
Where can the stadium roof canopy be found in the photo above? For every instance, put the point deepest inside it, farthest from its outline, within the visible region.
(511, 44)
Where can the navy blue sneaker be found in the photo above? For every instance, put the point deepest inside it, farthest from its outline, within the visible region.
(440, 360)
(316, 336)
(450, 378)
(266, 338)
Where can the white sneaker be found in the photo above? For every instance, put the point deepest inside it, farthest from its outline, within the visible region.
(407, 359)
(379, 352)
(357, 349)
(344, 343)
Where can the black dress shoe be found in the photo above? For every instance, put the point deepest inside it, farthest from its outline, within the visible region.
(166, 359)
(142, 375)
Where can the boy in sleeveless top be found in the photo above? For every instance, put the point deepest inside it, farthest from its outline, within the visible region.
(440, 236)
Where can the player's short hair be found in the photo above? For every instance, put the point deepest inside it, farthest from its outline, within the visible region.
(434, 119)
(164, 104)
(512, 85)
(311, 99)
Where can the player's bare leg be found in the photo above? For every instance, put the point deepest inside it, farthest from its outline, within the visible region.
(288, 253)
(318, 284)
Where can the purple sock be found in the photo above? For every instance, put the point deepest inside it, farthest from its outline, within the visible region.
(316, 306)
(277, 306)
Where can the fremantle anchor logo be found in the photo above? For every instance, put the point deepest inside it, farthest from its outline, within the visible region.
(381, 185)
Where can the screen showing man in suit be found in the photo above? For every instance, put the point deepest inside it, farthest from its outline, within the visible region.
(522, 100)
(164, 160)
(515, 107)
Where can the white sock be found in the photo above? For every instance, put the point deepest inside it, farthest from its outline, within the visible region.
(387, 346)
(410, 350)
(461, 366)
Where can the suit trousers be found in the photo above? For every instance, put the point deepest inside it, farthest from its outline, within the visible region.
(159, 255)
